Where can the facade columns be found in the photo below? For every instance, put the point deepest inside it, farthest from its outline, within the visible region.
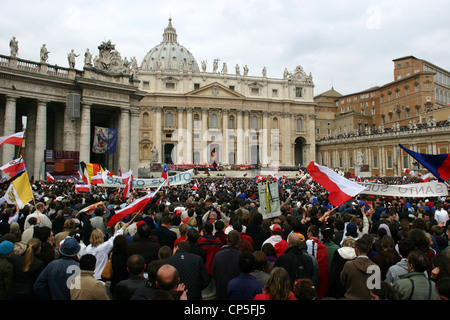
(85, 133)
(246, 138)
(265, 139)
(225, 150)
(158, 131)
(204, 152)
(180, 137)
(189, 136)
(40, 141)
(69, 132)
(9, 128)
(134, 139)
(124, 140)
(239, 139)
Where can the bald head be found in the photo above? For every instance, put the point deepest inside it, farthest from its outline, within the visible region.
(167, 277)
(294, 239)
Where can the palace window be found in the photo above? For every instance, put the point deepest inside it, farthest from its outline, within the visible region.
(298, 92)
(299, 124)
(169, 120)
(213, 121)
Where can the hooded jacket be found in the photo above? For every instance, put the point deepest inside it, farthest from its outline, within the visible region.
(335, 287)
(354, 277)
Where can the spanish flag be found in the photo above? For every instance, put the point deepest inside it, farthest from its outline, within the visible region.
(19, 191)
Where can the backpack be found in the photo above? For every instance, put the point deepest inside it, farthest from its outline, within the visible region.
(302, 267)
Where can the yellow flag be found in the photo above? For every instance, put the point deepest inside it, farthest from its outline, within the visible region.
(268, 205)
(19, 191)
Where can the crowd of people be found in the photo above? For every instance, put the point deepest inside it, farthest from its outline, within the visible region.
(212, 242)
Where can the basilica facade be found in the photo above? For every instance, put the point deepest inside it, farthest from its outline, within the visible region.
(168, 109)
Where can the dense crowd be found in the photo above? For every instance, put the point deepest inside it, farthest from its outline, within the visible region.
(212, 242)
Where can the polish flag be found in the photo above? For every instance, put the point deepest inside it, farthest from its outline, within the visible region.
(195, 186)
(340, 189)
(134, 207)
(15, 139)
(127, 179)
(80, 188)
(425, 177)
(97, 179)
(13, 167)
(49, 177)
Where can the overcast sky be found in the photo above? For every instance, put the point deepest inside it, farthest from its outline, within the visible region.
(348, 44)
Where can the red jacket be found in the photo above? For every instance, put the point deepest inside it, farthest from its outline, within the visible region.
(211, 244)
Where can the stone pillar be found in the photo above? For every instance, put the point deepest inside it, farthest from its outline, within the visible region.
(239, 139)
(69, 134)
(158, 131)
(287, 145)
(264, 139)
(189, 136)
(204, 135)
(29, 142)
(124, 140)
(181, 157)
(134, 140)
(85, 133)
(246, 138)
(9, 128)
(225, 150)
(40, 142)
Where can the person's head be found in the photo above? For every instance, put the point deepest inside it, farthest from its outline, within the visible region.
(144, 231)
(164, 252)
(87, 262)
(384, 292)
(208, 227)
(6, 248)
(44, 234)
(313, 231)
(136, 265)
(276, 229)
(260, 261)
(405, 246)
(294, 239)
(167, 277)
(279, 284)
(152, 270)
(40, 206)
(219, 225)
(166, 221)
(348, 242)
(70, 247)
(96, 238)
(418, 261)
(33, 247)
(246, 261)
(233, 238)
(304, 289)
(268, 250)
(361, 247)
(192, 235)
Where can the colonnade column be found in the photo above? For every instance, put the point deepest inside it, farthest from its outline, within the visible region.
(85, 133)
(265, 138)
(225, 150)
(189, 135)
(180, 137)
(158, 131)
(69, 132)
(239, 139)
(134, 139)
(40, 141)
(9, 128)
(246, 138)
(204, 152)
(124, 140)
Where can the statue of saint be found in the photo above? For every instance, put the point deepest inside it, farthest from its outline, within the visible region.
(71, 58)
(44, 54)
(14, 47)
(87, 58)
(155, 156)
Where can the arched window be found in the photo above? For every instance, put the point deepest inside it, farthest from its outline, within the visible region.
(275, 123)
(196, 122)
(299, 124)
(254, 122)
(213, 121)
(169, 120)
(231, 122)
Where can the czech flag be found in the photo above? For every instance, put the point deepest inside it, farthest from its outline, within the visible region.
(340, 189)
(437, 164)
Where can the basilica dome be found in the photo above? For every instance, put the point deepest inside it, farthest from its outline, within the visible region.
(169, 55)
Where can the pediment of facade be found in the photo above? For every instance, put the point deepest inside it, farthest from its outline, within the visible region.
(215, 90)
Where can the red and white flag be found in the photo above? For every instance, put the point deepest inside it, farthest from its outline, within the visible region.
(13, 167)
(15, 139)
(195, 186)
(425, 177)
(82, 188)
(340, 189)
(127, 179)
(134, 207)
(49, 177)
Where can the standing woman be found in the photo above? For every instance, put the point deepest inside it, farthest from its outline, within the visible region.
(100, 248)
(119, 261)
(27, 268)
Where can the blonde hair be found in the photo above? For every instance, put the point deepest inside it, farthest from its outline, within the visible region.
(348, 242)
(33, 246)
(69, 225)
(96, 237)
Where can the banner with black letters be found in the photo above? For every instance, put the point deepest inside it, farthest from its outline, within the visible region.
(416, 190)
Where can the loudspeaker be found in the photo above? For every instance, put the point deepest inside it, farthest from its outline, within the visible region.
(73, 105)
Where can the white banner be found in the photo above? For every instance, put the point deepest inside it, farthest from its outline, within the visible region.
(269, 199)
(418, 190)
(178, 179)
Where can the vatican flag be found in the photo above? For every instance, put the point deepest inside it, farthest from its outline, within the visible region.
(19, 191)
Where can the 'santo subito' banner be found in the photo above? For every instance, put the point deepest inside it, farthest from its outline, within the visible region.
(178, 179)
(417, 190)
